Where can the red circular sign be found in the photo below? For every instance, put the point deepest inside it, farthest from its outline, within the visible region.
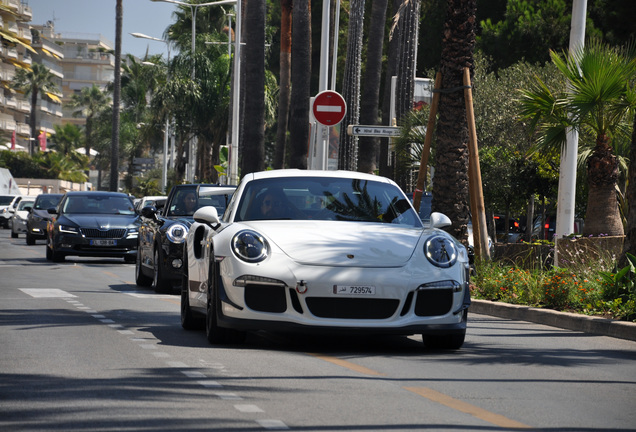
(329, 108)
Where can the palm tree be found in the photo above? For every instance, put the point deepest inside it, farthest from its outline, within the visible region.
(88, 103)
(600, 102)
(285, 70)
(368, 147)
(300, 77)
(114, 154)
(450, 188)
(67, 138)
(32, 82)
(253, 142)
(348, 150)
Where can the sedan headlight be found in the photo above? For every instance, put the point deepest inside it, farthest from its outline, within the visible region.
(69, 229)
(250, 246)
(440, 251)
(177, 233)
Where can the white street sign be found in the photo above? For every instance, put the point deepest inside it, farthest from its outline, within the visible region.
(373, 131)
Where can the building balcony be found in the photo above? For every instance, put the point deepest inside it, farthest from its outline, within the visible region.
(23, 129)
(24, 106)
(25, 12)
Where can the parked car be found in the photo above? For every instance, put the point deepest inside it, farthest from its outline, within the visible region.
(8, 203)
(326, 251)
(162, 232)
(514, 233)
(157, 201)
(96, 224)
(19, 216)
(39, 216)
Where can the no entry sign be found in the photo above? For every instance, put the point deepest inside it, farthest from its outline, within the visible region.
(329, 108)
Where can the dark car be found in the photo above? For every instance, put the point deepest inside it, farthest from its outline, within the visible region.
(162, 233)
(96, 224)
(39, 216)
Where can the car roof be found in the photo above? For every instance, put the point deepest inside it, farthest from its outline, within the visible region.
(96, 193)
(315, 173)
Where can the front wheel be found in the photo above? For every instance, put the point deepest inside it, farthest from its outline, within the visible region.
(14, 234)
(140, 278)
(189, 320)
(30, 240)
(214, 333)
(159, 283)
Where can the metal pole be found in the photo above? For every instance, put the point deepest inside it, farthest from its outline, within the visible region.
(234, 177)
(567, 179)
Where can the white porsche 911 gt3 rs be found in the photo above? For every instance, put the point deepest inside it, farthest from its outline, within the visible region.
(328, 251)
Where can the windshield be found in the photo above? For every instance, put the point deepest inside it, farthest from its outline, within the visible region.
(320, 198)
(6, 199)
(98, 204)
(186, 201)
(25, 203)
(47, 202)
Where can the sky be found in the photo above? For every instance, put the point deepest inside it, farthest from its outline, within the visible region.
(98, 17)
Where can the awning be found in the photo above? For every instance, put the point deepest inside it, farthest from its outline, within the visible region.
(53, 97)
(47, 52)
(13, 39)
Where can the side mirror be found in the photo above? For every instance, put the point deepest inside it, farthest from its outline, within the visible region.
(149, 212)
(51, 210)
(207, 215)
(439, 220)
(28, 208)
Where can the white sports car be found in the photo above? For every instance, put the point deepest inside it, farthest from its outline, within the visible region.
(328, 251)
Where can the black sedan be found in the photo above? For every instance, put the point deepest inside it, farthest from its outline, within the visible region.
(39, 216)
(96, 224)
(162, 233)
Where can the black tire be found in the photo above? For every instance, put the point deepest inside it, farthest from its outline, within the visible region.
(30, 240)
(218, 335)
(49, 252)
(56, 256)
(159, 283)
(14, 235)
(189, 320)
(445, 342)
(140, 278)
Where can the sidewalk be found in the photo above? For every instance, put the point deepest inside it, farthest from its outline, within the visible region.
(566, 320)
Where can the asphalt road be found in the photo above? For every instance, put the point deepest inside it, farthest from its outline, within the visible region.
(83, 349)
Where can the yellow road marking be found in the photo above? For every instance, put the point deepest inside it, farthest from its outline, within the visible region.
(347, 364)
(467, 408)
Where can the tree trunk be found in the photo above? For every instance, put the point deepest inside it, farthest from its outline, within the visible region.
(254, 130)
(603, 215)
(386, 166)
(283, 95)
(348, 150)
(33, 144)
(407, 29)
(450, 188)
(368, 146)
(114, 152)
(300, 77)
(629, 246)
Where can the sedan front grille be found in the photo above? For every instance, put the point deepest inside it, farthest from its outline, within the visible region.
(114, 233)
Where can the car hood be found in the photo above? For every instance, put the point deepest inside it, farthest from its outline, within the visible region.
(101, 221)
(330, 243)
(41, 213)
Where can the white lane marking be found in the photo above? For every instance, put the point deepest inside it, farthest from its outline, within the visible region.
(272, 424)
(148, 346)
(125, 332)
(248, 408)
(176, 364)
(210, 383)
(46, 293)
(146, 295)
(107, 321)
(99, 316)
(192, 374)
(228, 396)
(160, 354)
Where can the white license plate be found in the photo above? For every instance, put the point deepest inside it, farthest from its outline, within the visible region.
(103, 242)
(354, 289)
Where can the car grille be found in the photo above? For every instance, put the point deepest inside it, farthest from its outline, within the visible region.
(115, 233)
(352, 308)
(433, 302)
(263, 298)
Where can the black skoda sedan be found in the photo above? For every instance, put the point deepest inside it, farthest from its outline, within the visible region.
(96, 224)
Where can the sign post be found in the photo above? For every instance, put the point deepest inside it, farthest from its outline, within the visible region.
(329, 109)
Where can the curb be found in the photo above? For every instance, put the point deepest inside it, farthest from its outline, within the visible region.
(565, 320)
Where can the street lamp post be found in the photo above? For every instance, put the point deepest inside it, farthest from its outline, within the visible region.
(193, 10)
(166, 131)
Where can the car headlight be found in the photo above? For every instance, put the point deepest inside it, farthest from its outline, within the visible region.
(250, 246)
(177, 233)
(440, 251)
(69, 229)
(133, 232)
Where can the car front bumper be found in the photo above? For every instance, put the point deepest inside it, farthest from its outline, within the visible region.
(81, 246)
